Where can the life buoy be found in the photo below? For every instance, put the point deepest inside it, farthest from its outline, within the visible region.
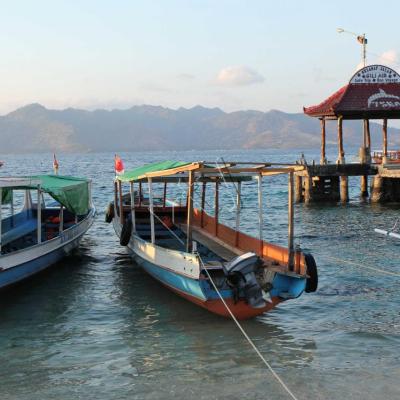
(312, 272)
(126, 232)
(109, 213)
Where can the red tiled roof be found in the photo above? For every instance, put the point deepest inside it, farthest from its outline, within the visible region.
(327, 107)
(372, 92)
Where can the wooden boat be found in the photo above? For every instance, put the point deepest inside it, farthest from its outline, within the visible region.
(189, 251)
(43, 232)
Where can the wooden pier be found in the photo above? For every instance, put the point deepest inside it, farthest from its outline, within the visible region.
(372, 93)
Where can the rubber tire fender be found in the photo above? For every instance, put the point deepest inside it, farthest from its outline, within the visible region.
(126, 232)
(312, 272)
(109, 213)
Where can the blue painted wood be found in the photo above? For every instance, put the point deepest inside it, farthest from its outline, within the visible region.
(18, 273)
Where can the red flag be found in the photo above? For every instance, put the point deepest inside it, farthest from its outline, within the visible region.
(119, 165)
(55, 164)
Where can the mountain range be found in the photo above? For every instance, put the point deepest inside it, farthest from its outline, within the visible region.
(34, 128)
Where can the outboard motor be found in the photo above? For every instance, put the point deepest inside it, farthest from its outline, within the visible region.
(240, 274)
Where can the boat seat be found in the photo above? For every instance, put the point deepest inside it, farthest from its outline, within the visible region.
(19, 231)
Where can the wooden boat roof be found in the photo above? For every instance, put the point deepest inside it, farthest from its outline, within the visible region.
(372, 92)
(73, 193)
(232, 171)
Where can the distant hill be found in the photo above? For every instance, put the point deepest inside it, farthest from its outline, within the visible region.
(34, 128)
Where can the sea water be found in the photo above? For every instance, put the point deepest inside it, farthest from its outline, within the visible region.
(97, 327)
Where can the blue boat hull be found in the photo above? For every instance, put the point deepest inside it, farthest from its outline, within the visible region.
(23, 271)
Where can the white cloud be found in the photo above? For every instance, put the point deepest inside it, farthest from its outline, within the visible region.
(389, 57)
(238, 76)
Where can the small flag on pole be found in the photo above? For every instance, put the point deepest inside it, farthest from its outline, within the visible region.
(118, 165)
(55, 164)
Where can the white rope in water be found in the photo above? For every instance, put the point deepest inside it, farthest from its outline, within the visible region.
(276, 376)
(382, 271)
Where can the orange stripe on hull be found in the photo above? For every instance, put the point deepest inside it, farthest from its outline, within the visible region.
(241, 310)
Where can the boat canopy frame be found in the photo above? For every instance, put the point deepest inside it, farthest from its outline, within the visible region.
(207, 172)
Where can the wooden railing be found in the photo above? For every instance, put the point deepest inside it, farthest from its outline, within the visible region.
(245, 242)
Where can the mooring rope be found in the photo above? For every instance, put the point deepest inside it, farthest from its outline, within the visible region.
(275, 375)
(353, 263)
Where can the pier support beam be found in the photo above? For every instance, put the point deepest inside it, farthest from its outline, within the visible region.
(341, 159)
(323, 141)
(319, 189)
(364, 186)
(344, 189)
(298, 189)
(385, 190)
(384, 131)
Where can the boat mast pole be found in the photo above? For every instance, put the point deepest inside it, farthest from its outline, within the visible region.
(165, 194)
(151, 207)
(291, 222)
(203, 204)
(260, 213)
(121, 204)
(216, 207)
(238, 194)
(39, 215)
(115, 198)
(12, 207)
(61, 225)
(1, 203)
(189, 244)
(133, 216)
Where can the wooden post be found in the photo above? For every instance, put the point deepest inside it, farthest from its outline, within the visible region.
(341, 159)
(323, 135)
(238, 200)
(216, 207)
(165, 194)
(12, 207)
(61, 225)
(133, 216)
(39, 215)
(384, 131)
(260, 213)
(1, 203)
(344, 189)
(151, 209)
(368, 135)
(364, 186)
(203, 204)
(189, 222)
(121, 204)
(291, 222)
(116, 198)
(299, 189)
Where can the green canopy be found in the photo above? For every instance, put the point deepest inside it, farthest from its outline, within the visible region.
(71, 192)
(134, 174)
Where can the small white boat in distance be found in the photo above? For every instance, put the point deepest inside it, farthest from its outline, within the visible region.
(42, 232)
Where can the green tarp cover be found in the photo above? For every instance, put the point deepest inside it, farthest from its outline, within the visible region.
(154, 167)
(71, 192)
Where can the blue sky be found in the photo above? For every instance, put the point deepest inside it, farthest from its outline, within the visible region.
(229, 54)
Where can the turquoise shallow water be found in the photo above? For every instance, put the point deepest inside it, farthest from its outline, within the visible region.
(97, 327)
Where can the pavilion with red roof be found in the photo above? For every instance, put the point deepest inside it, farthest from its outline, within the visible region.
(373, 92)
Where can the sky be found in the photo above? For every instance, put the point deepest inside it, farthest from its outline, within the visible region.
(235, 55)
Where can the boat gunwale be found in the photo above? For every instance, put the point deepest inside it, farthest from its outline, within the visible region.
(43, 244)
